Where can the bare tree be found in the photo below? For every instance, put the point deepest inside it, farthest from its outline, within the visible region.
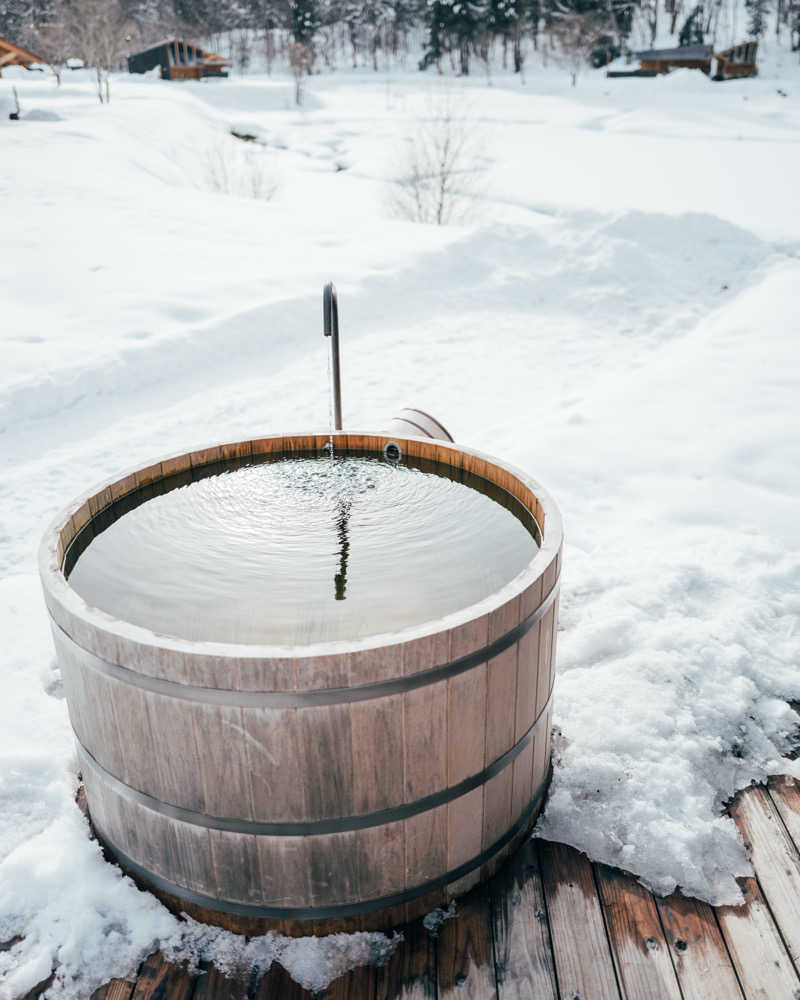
(51, 42)
(301, 59)
(441, 168)
(98, 32)
(574, 37)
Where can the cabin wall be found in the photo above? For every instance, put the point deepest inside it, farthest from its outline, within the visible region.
(143, 62)
(665, 65)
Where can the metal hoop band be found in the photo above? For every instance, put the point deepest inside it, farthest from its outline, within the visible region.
(321, 696)
(338, 824)
(326, 912)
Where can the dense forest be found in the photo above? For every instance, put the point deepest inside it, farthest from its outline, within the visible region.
(448, 35)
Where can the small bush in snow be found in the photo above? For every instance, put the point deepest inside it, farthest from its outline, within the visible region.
(440, 169)
(240, 172)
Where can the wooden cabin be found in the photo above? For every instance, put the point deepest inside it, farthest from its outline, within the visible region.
(15, 55)
(657, 61)
(178, 60)
(736, 62)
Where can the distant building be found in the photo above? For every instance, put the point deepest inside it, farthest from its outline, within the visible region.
(685, 57)
(15, 55)
(736, 62)
(178, 60)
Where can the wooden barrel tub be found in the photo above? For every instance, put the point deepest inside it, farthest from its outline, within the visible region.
(321, 788)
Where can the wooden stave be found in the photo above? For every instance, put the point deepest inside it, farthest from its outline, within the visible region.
(463, 833)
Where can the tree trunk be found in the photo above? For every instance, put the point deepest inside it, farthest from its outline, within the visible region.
(673, 24)
(352, 30)
(270, 50)
(517, 48)
(463, 52)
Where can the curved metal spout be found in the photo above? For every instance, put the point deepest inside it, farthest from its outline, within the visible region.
(330, 320)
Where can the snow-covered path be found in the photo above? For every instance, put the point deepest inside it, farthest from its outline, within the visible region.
(618, 315)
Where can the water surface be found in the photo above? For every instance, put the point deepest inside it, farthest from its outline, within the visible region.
(302, 550)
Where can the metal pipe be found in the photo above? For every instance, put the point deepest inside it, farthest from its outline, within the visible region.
(419, 423)
(413, 423)
(330, 319)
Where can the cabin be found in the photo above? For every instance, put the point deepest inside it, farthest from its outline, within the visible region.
(178, 60)
(732, 63)
(657, 61)
(737, 62)
(15, 55)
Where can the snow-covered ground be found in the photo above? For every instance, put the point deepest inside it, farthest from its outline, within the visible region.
(617, 313)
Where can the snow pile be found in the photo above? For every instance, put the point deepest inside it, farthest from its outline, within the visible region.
(680, 641)
(620, 313)
(311, 961)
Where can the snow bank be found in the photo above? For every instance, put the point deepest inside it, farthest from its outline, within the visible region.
(621, 315)
(680, 636)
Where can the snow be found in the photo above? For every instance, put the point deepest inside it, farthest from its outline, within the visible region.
(618, 315)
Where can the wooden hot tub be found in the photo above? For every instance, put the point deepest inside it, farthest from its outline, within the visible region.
(348, 786)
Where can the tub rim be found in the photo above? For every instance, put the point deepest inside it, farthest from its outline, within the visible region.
(126, 644)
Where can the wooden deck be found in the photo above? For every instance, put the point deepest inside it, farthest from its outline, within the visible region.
(553, 926)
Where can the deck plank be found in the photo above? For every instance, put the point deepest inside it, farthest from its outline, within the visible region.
(701, 960)
(214, 985)
(357, 984)
(277, 984)
(785, 795)
(116, 989)
(775, 860)
(35, 992)
(465, 959)
(410, 973)
(761, 960)
(522, 946)
(163, 980)
(583, 961)
(641, 956)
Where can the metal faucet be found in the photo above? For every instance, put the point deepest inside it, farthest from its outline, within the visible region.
(330, 320)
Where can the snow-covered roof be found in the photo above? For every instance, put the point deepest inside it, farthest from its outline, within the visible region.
(682, 52)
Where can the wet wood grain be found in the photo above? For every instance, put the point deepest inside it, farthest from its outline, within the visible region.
(583, 960)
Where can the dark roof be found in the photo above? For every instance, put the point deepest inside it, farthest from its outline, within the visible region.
(181, 41)
(674, 55)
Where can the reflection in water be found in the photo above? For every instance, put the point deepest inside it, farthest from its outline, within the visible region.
(342, 523)
(246, 553)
